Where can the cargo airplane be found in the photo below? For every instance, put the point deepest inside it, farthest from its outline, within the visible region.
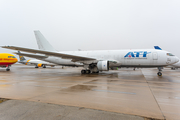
(35, 62)
(6, 60)
(99, 60)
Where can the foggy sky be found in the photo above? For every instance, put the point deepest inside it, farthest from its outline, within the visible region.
(91, 24)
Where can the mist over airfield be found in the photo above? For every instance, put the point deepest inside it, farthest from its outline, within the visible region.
(70, 25)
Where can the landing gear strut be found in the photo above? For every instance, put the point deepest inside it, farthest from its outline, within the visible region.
(8, 68)
(159, 73)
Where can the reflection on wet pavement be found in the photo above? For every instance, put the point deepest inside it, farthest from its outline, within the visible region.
(140, 92)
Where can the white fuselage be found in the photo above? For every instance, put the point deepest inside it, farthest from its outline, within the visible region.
(125, 58)
(35, 62)
(176, 65)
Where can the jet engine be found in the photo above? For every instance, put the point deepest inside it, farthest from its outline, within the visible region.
(103, 65)
(39, 64)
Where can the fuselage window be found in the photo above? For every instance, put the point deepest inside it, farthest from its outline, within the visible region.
(170, 54)
(11, 57)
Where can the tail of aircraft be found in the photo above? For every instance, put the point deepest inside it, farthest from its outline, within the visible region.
(43, 44)
(22, 58)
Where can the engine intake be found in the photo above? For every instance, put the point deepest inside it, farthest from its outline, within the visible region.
(103, 65)
(40, 65)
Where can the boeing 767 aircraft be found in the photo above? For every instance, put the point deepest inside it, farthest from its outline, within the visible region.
(99, 60)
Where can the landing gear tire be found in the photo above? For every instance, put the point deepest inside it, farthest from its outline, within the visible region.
(88, 71)
(96, 72)
(83, 71)
(36, 67)
(159, 74)
(44, 66)
(8, 69)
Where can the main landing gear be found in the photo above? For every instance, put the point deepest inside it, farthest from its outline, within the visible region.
(159, 73)
(88, 71)
(85, 71)
(91, 68)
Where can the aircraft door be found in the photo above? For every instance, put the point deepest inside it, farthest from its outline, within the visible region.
(155, 56)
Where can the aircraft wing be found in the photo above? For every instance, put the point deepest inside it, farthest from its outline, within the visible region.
(32, 55)
(49, 53)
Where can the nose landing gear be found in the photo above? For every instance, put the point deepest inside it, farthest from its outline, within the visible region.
(8, 68)
(159, 73)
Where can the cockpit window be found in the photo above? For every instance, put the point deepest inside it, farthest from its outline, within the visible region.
(170, 54)
(11, 57)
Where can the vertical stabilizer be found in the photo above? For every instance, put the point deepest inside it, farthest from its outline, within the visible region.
(22, 58)
(157, 48)
(43, 44)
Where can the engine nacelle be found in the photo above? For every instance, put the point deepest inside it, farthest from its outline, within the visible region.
(39, 64)
(103, 65)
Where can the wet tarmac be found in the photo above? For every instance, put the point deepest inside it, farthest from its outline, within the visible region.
(28, 110)
(140, 92)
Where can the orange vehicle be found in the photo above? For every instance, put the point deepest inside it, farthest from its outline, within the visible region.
(6, 60)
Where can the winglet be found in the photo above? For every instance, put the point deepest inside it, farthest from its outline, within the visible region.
(157, 48)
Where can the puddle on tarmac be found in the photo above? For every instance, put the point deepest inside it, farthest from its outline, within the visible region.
(79, 88)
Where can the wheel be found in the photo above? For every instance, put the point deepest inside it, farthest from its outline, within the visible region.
(159, 74)
(96, 72)
(44, 66)
(36, 67)
(8, 69)
(88, 71)
(83, 71)
(172, 68)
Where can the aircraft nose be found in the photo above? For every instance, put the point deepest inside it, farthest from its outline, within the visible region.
(15, 60)
(176, 59)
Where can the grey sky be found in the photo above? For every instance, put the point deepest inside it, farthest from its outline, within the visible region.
(92, 24)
